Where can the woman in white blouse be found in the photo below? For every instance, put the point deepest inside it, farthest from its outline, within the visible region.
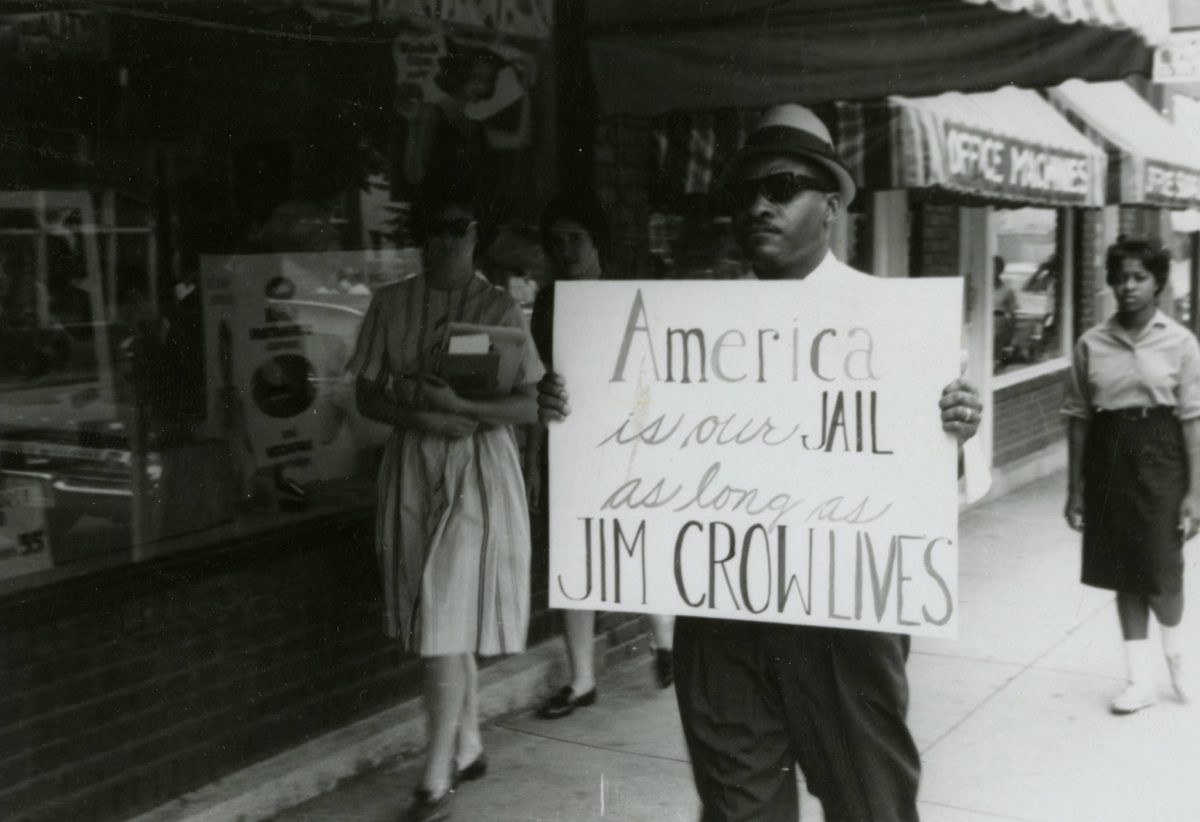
(1133, 405)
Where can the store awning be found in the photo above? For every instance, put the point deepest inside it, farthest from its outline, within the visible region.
(1152, 161)
(1185, 112)
(655, 56)
(1151, 20)
(1007, 145)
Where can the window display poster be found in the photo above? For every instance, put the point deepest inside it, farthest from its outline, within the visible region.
(280, 329)
(24, 538)
(476, 72)
(758, 451)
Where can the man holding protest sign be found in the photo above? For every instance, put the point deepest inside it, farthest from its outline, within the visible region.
(756, 698)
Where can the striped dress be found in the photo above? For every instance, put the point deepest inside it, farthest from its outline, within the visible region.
(452, 525)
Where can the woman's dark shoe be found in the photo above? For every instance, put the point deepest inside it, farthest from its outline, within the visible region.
(427, 808)
(475, 770)
(565, 702)
(664, 667)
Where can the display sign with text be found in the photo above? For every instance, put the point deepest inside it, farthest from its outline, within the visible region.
(1172, 186)
(981, 162)
(1178, 60)
(758, 451)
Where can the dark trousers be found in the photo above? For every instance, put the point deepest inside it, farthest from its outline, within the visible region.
(757, 699)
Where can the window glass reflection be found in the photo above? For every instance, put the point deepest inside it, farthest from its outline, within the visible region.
(1027, 289)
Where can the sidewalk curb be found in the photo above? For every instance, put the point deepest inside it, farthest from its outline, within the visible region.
(315, 767)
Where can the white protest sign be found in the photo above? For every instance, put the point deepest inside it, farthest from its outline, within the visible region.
(767, 451)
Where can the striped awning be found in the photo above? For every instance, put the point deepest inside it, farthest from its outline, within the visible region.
(1186, 113)
(1008, 145)
(1150, 20)
(1186, 116)
(1152, 161)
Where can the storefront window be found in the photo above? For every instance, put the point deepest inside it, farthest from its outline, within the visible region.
(183, 274)
(696, 246)
(1027, 289)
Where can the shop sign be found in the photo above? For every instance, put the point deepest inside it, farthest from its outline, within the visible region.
(1171, 185)
(758, 451)
(979, 161)
(54, 35)
(520, 18)
(1178, 60)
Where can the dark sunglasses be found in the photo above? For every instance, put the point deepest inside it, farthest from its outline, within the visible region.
(455, 228)
(779, 188)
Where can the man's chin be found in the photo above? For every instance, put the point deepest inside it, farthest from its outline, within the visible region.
(762, 257)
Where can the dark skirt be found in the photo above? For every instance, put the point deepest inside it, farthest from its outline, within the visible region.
(1135, 477)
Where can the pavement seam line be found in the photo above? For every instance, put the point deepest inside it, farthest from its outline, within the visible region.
(977, 812)
(548, 737)
(1023, 669)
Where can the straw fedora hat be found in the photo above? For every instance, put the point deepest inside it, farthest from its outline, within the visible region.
(792, 129)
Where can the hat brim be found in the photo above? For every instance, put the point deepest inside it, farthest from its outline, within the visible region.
(846, 187)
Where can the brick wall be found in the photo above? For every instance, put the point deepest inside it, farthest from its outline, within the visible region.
(1141, 221)
(1089, 268)
(135, 685)
(934, 239)
(123, 689)
(1026, 418)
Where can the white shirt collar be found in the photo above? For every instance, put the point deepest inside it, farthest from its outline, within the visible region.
(829, 268)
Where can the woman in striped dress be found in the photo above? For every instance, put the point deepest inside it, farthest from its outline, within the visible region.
(1133, 405)
(452, 527)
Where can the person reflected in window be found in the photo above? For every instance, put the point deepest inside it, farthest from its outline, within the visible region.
(452, 526)
(575, 234)
(1133, 411)
(1004, 315)
(1045, 282)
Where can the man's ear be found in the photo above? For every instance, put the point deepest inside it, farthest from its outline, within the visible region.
(833, 206)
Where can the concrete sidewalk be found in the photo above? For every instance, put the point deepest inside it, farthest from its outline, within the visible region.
(1011, 718)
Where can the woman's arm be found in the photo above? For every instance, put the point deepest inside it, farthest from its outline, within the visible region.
(1077, 431)
(1077, 407)
(517, 408)
(1190, 514)
(374, 404)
